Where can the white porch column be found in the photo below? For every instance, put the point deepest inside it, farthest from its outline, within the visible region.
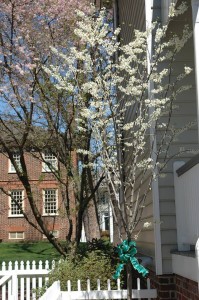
(195, 14)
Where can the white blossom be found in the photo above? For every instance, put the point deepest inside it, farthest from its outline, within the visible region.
(147, 224)
(187, 70)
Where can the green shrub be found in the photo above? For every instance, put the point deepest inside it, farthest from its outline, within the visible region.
(95, 265)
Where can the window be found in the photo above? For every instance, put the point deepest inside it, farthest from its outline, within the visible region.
(103, 199)
(50, 201)
(16, 157)
(16, 196)
(105, 223)
(49, 163)
(16, 235)
(54, 232)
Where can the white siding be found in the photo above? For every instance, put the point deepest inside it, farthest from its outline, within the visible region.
(131, 16)
(185, 113)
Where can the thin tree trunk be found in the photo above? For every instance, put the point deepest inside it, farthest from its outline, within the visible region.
(129, 280)
(79, 221)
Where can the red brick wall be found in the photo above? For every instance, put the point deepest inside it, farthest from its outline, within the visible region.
(174, 287)
(186, 289)
(39, 181)
(165, 285)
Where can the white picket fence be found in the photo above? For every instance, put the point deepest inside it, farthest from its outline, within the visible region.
(19, 280)
(54, 292)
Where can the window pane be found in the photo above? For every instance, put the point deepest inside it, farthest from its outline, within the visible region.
(50, 201)
(16, 157)
(50, 162)
(12, 235)
(19, 235)
(16, 196)
(106, 222)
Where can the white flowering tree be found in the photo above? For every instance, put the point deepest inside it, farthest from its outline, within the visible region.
(110, 85)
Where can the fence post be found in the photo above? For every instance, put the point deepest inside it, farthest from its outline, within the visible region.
(14, 287)
(197, 257)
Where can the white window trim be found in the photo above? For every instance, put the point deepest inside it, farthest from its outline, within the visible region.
(9, 212)
(16, 238)
(45, 167)
(43, 199)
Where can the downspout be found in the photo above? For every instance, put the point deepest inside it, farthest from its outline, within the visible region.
(116, 22)
(195, 19)
(155, 183)
(115, 14)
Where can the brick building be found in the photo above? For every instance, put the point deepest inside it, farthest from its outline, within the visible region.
(46, 192)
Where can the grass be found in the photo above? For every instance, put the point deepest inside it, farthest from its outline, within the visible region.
(28, 251)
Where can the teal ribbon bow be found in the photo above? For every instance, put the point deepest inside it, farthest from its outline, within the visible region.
(126, 251)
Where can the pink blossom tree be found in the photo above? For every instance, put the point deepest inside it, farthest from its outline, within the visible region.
(34, 114)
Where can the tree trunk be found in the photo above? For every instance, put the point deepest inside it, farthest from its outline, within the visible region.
(79, 221)
(129, 280)
(91, 225)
